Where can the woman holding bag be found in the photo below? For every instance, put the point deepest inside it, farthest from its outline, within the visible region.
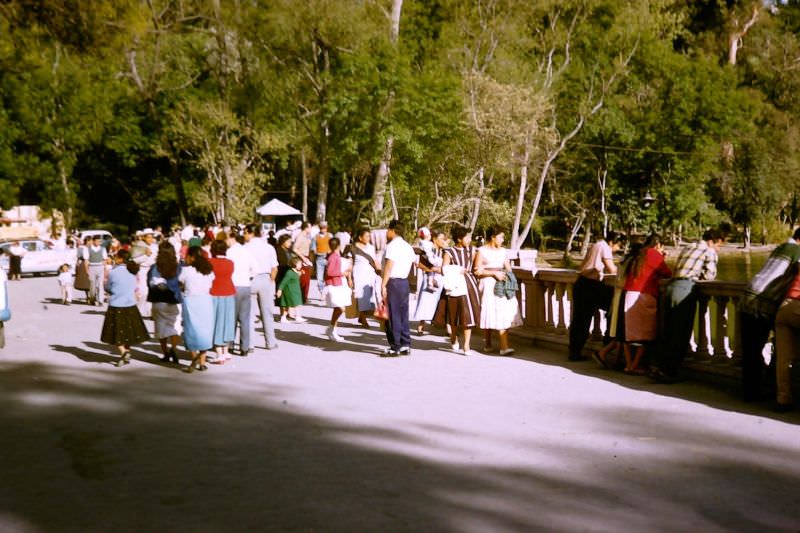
(463, 306)
(366, 280)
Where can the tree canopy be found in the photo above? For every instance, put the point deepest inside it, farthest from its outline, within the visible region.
(550, 117)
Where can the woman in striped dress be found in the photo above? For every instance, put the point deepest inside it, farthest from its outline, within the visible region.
(461, 311)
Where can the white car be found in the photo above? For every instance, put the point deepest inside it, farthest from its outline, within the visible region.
(103, 234)
(40, 257)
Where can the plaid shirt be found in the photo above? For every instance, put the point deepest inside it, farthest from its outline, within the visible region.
(697, 262)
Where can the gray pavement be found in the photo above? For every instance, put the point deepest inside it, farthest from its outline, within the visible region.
(317, 436)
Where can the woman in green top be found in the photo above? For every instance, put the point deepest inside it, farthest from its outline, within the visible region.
(289, 294)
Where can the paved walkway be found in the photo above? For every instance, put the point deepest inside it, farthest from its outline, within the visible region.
(322, 437)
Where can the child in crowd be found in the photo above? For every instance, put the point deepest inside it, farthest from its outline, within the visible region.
(65, 283)
(289, 293)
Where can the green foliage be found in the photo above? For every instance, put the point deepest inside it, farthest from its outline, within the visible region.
(198, 110)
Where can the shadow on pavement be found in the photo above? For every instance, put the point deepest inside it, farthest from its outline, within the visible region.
(93, 450)
(719, 396)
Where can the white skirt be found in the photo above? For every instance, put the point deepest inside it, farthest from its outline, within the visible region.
(497, 312)
(337, 295)
(167, 320)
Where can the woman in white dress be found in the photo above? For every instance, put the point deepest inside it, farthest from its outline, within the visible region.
(366, 283)
(498, 313)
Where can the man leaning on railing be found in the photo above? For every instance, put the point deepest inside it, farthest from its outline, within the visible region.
(757, 309)
(696, 262)
(589, 294)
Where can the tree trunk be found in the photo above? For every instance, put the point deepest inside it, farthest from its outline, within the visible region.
(735, 38)
(382, 180)
(587, 240)
(551, 157)
(747, 235)
(304, 185)
(323, 175)
(516, 243)
(576, 227)
(602, 181)
(68, 212)
(476, 210)
(382, 174)
(180, 192)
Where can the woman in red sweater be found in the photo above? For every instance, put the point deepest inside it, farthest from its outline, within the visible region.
(641, 301)
(223, 297)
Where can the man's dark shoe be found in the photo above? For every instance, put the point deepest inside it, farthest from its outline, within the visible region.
(660, 376)
(576, 358)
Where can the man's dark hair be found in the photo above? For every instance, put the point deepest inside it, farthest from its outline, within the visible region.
(615, 237)
(397, 227)
(713, 235)
(254, 229)
(796, 235)
(304, 226)
(334, 243)
(283, 238)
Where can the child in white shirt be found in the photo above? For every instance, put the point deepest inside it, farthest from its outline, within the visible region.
(65, 283)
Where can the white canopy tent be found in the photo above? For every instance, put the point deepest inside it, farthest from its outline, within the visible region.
(276, 208)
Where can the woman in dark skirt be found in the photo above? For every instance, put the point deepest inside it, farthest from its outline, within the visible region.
(123, 325)
(460, 312)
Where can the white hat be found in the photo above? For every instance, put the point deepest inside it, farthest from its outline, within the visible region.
(147, 231)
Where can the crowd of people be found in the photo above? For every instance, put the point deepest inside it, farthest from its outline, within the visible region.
(199, 286)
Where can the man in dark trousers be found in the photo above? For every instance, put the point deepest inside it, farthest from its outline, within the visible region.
(757, 309)
(589, 294)
(696, 262)
(398, 259)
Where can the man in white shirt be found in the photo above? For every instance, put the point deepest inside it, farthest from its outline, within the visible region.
(265, 270)
(96, 257)
(398, 259)
(144, 252)
(243, 268)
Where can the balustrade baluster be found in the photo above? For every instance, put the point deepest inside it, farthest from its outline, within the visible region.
(736, 355)
(702, 353)
(560, 291)
(549, 323)
(721, 322)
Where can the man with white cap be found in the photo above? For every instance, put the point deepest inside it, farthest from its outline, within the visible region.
(143, 252)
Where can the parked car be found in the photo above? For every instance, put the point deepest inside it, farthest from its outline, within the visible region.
(40, 257)
(105, 235)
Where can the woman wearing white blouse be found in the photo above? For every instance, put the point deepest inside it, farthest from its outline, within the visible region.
(498, 313)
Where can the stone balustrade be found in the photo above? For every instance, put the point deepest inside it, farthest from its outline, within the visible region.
(545, 300)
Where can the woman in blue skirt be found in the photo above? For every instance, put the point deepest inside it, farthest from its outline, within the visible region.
(223, 296)
(198, 310)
